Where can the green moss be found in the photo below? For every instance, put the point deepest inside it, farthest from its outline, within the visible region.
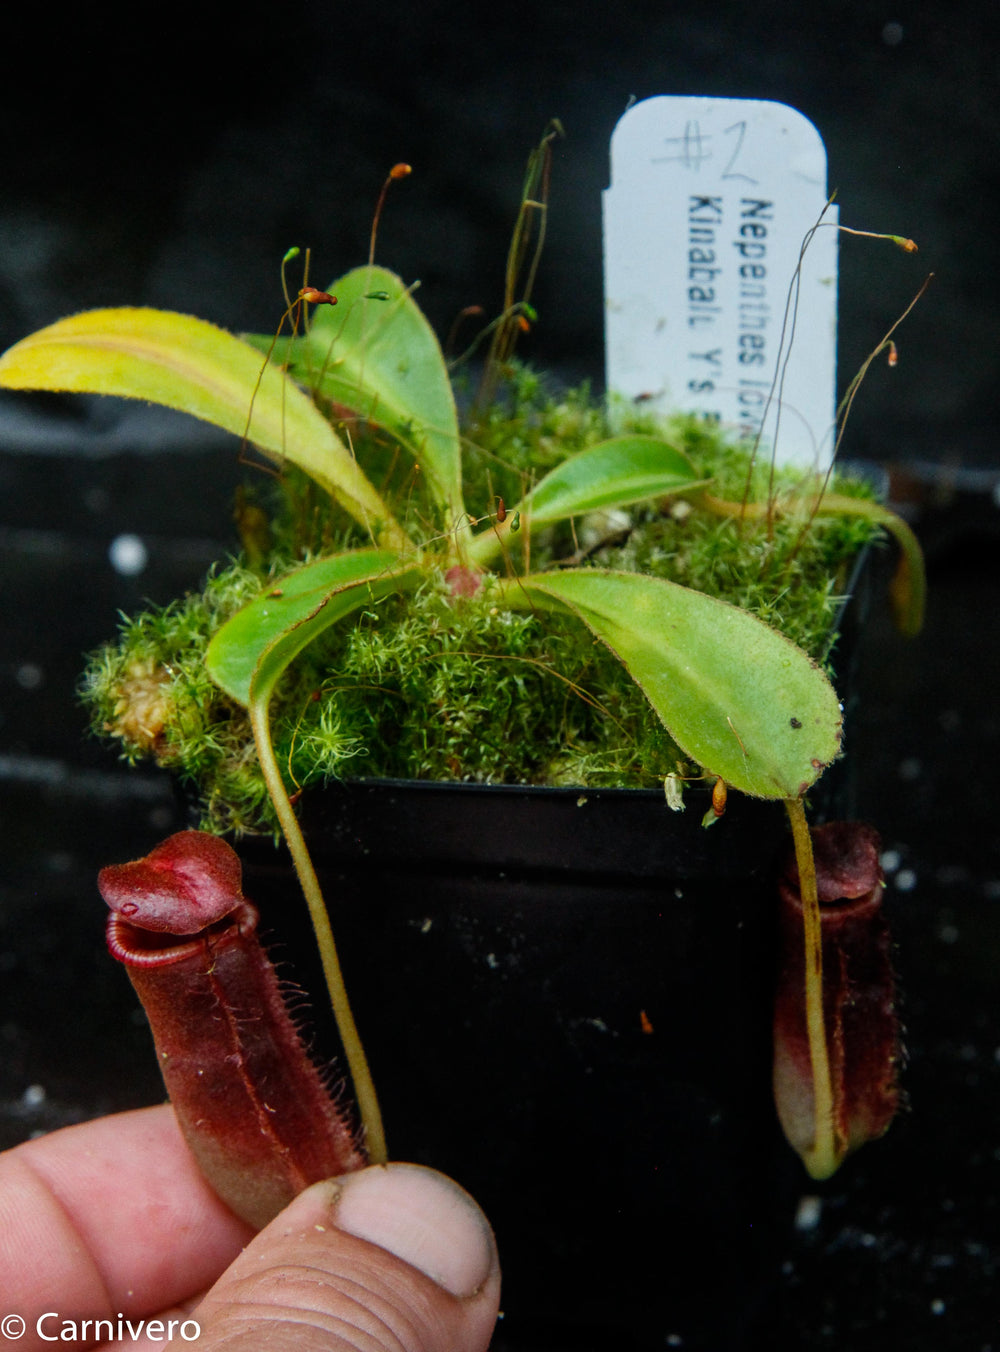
(433, 686)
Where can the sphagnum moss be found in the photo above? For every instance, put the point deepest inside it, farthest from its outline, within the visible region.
(434, 686)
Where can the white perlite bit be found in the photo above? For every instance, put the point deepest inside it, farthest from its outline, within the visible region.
(709, 204)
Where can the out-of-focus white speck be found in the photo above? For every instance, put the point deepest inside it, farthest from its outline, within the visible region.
(808, 1212)
(34, 1096)
(29, 676)
(128, 555)
(905, 880)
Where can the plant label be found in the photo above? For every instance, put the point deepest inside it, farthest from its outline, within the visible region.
(707, 308)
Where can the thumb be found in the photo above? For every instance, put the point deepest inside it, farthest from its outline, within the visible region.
(395, 1257)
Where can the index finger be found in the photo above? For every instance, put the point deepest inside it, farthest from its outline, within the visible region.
(109, 1217)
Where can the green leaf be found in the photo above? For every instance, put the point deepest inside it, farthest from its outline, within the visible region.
(266, 635)
(247, 658)
(736, 696)
(190, 365)
(380, 358)
(615, 473)
(908, 588)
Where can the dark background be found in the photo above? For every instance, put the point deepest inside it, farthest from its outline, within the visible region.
(176, 167)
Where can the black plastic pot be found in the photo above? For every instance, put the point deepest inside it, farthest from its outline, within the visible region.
(565, 997)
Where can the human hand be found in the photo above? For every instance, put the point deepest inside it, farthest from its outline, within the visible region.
(112, 1219)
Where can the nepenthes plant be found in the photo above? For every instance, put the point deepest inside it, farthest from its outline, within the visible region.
(566, 561)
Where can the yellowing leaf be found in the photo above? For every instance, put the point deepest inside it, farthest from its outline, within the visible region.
(197, 368)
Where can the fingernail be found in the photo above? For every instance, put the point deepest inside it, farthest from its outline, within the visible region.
(422, 1217)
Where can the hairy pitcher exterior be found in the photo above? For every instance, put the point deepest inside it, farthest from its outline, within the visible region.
(254, 1109)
